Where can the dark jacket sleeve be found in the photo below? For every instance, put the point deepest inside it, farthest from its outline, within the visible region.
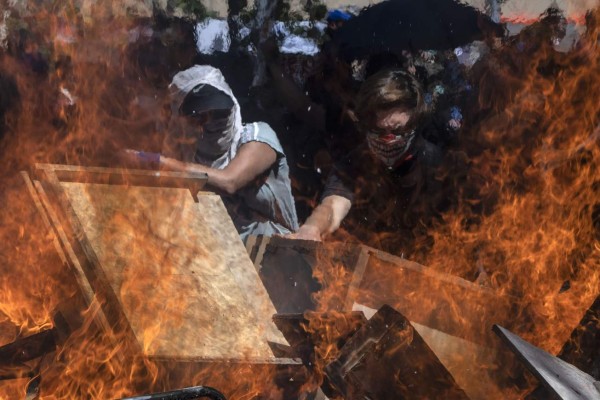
(342, 179)
(338, 186)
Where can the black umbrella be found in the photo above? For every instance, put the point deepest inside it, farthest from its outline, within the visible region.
(397, 25)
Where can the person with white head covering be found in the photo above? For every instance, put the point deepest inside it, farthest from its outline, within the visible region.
(245, 163)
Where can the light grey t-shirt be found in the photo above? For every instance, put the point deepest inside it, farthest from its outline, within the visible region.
(265, 206)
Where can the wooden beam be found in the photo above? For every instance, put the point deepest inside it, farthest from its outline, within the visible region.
(388, 359)
(129, 177)
(169, 273)
(440, 301)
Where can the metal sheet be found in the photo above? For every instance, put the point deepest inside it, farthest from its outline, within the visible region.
(560, 377)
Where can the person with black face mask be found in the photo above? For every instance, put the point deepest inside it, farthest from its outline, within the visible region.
(378, 183)
(245, 163)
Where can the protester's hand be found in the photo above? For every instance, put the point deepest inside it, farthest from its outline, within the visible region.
(306, 232)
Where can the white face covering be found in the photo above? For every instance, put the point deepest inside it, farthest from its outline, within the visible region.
(183, 83)
(216, 138)
(390, 149)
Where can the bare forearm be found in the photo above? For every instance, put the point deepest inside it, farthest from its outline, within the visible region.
(251, 160)
(322, 219)
(325, 218)
(216, 178)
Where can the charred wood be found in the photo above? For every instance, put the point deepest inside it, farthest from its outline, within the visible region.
(307, 332)
(388, 359)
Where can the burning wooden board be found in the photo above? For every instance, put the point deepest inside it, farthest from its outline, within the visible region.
(169, 271)
(453, 316)
(440, 301)
(388, 359)
(375, 278)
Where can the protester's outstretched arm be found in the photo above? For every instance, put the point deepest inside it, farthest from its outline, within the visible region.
(252, 159)
(325, 219)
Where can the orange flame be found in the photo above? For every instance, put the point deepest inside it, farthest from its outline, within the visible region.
(523, 226)
(526, 210)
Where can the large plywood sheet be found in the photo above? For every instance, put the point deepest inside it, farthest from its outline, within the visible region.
(179, 271)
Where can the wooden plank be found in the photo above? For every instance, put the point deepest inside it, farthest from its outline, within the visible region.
(175, 272)
(91, 301)
(459, 356)
(130, 177)
(70, 309)
(28, 348)
(307, 332)
(88, 271)
(474, 368)
(439, 301)
(72, 260)
(251, 290)
(561, 378)
(42, 212)
(175, 264)
(250, 246)
(388, 359)
(454, 280)
(357, 276)
(287, 274)
(260, 251)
